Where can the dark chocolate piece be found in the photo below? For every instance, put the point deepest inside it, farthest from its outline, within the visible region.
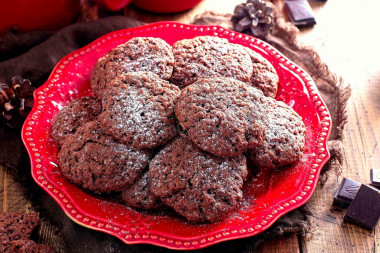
(364, 210)
(346, 192)
(300, 13)
(375, 178)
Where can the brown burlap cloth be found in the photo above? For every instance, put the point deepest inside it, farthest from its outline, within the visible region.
(34, 55)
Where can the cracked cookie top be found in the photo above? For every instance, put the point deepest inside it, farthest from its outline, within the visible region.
(284, 138)
(138, 54)
(264, 75)
(139, 195)
(197, 185)
(139, 109)
(209, 56)
(222, 116)
(72, 116)
(98, 162)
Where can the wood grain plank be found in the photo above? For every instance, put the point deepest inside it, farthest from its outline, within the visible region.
(359, 139)
(3, 187)
(342, 47)
(330, 233)
(12, 197)
(284, 244)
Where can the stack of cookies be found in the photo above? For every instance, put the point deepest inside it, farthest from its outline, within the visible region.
(172, 127)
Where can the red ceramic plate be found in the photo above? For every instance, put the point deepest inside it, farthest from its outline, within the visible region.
(266, 197)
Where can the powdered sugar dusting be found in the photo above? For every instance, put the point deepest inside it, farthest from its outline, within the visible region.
(284, 139)
(209, 56)
(222, 116)
(98, 162)
(72, 116)
(139, 109)
(138, 54)
(199, 186)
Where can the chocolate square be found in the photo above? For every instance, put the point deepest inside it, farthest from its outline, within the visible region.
(346, 192)
(364, 210)
(300, 13)
(375, 178)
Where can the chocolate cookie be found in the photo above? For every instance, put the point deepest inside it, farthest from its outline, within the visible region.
(138, 108)
(264, 75)
(139, 196)
(197, 185)
(16, 226)
(29, 246)
(100, 163)
(284, 139)
(222, 116)
(209, 56)
(72, 116)
(138, 54)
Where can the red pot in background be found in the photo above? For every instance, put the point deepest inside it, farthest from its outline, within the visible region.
(158, 6)
(112, 5)
(166, 6)
(28, 15)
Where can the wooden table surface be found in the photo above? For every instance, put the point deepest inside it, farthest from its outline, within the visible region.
(347, 37)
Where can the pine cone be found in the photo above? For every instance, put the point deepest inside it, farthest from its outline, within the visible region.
(16, 101)
(254, 18)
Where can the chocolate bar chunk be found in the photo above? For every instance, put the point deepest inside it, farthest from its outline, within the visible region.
(364, 210)
(300, 13)
(346, 192)
(375, 178)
